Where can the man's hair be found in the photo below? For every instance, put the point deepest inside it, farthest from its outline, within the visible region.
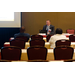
(48, 20)
(22, 29)
(58, 31)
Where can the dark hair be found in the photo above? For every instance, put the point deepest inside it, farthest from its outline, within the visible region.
(58, 31)
(22, 29)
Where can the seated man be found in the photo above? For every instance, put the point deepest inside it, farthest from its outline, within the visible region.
(57, 36)
(22, 29)
(49, 27)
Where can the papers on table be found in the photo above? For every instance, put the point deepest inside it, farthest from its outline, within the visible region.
(24, 50)
(67, 38)
(50, 50)
(47, 43)
(72, 43)
(7, 43)
(12, 38)
(27, 43)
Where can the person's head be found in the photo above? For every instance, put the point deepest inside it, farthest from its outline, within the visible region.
(58, 31)
(22, 29)
(48, 22)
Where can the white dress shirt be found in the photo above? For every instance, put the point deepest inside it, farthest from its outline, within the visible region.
(54, 38)
(47, 28)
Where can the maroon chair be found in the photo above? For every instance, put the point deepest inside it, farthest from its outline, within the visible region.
(10, 53)
(36, 37)
(48, 37)
(70, 31)
(22, 37)
(37, 53)
(37, 42)
(62, 42)
(18, 42)
(72, 38)
(63, 53)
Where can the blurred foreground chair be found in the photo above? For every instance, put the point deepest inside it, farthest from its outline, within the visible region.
(72, 38)
(10, 53)
(37, 53)
(63, 53)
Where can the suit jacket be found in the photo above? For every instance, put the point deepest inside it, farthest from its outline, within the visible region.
(51, 27)
(22, 34)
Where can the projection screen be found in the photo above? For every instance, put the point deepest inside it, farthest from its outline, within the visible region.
(10, 19)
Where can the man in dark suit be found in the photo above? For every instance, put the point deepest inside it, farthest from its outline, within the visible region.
(22, 29)
(49, 27)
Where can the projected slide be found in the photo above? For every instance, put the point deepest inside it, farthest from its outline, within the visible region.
(7, 16)
(10, 19)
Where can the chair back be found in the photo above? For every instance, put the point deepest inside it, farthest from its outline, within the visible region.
(10, 53)
(70, 31)
(48, 37)
(37, 53)
(37, 42)
(63, 53)
(62, 42)
(36, 37)
(18, 42)
(23, 38)
(72, 38)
